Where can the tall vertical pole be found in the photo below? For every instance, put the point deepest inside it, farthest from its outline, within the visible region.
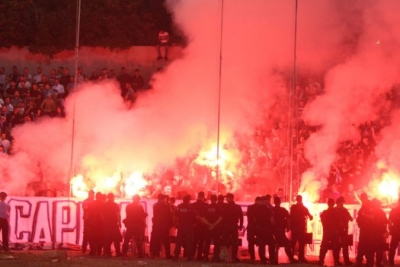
(77, 30)
(219, 95)
(293, 104)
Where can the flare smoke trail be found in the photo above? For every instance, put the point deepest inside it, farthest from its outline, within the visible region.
(353, 86)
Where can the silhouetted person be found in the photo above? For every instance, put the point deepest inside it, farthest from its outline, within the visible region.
(163, 39)
(111, 216)
(233, 221)
(394, 229)
(378, 233)
(95, 223)
(264, 221)
(212, 217)
(185, 217)
(85, 206)
(330, 236)
(364, 222)
(344, 219)
(162, 222)
(199, 227)
(298, 224)
(282, 224)
(251, 227)
(5, 210)
(135, 223)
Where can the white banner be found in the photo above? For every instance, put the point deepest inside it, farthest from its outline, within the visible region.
(41, 219)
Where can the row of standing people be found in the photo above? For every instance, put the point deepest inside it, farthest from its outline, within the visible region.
(374, 228)
(200, 224)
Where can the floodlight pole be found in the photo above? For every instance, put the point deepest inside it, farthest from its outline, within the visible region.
(219, 96)
(293, 106)
(71, 164)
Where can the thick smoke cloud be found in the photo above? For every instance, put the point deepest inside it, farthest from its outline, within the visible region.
(352, 87)
(180, 114)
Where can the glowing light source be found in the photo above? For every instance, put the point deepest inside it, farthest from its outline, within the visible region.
(78, 187)
(308, 198)
(135, 184)
(225, 162)
(389, 186)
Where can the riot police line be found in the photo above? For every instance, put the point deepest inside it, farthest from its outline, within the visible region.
(193, 226)
(207, 229)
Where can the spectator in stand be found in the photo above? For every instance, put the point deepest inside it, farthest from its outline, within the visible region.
(38, 77)
(16, 99)
(42, 83)
(104, 74)
(47, 90)
(35, 92)
(302, 162)
(163, 39)
(7, 104)
(80, 76)
(137, 81)
(14, 77)
(31, 110)
(123, 79)
(280, 194)
(27, 118)
(15, 117)
(112, 75)
(131, 94)
(330, 192)
(351, 195)
(2, 78)
(60, 72)
(60, 112)
(366, 148)
(3, 111)
(27, 75)
(71, 84)
(4, 124)
(52, 76)
(27, 98)
(95, 75)
(5, 143)
(64, 80)
(21, 108)
(9, 92)
(22, 87)
(58, 89)
(48, 106)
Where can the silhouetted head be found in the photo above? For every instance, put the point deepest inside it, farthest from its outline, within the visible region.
(331, 202)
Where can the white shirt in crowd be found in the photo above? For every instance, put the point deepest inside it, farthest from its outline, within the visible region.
(60, 89)
(37, 78)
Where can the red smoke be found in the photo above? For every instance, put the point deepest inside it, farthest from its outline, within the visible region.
(179, 116)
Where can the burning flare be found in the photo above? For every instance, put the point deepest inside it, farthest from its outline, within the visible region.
(132, 185)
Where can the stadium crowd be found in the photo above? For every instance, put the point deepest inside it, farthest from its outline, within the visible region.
(25, 97)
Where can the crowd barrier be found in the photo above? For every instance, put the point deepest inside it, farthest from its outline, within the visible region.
(41, 219)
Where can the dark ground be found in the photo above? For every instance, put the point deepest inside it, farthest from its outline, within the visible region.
(40, 258)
